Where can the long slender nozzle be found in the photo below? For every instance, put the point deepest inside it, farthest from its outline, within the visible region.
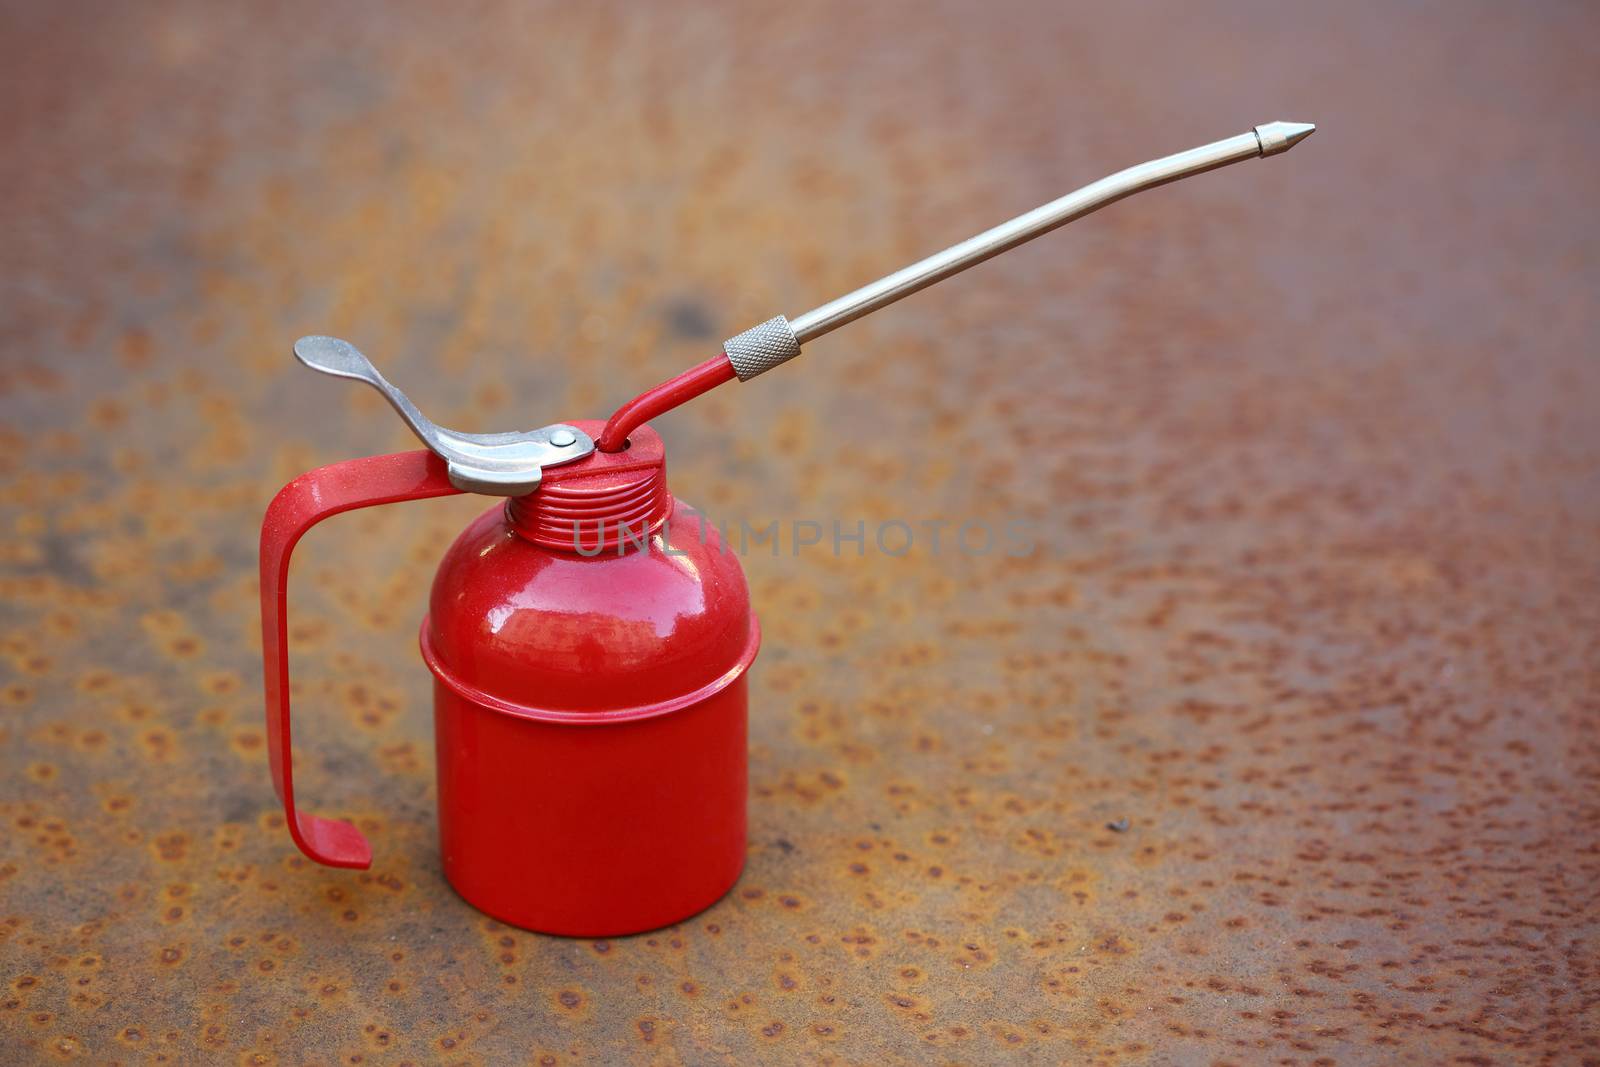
(778, 340)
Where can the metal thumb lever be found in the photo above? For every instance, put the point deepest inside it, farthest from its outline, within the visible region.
(497, 464)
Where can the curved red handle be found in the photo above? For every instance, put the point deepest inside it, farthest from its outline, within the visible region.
(300, 505)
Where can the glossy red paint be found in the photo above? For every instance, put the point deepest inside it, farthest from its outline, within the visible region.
(590, 699)
(300, 505)
(700, 378)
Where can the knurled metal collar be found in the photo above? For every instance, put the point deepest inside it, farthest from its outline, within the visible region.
(761, 348)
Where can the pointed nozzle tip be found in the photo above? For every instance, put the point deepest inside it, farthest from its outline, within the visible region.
(1278, 137)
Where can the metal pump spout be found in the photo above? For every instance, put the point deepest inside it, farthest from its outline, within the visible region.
(778, 340)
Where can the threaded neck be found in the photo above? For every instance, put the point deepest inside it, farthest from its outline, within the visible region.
(591, 518)
(606, 502)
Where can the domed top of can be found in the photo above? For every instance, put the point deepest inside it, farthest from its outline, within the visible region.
(615, 621)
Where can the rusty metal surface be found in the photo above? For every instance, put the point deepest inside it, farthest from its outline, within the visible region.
(1285, 752)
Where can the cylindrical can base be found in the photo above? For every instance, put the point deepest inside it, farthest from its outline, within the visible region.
(592, 829)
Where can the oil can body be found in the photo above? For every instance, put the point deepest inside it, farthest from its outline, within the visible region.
(589, 642)
(590, 716)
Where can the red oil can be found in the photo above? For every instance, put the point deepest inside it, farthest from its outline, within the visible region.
(589, 638)
(589, 642)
